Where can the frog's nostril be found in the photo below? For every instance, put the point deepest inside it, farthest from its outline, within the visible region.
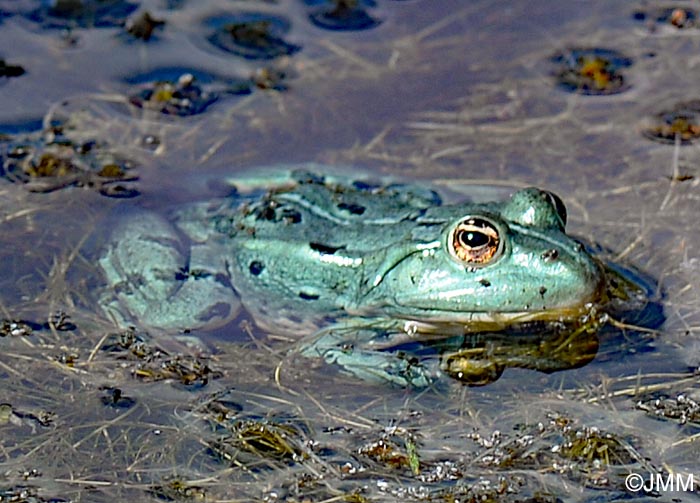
(557, 204)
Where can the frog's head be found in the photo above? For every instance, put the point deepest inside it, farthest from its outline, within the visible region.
(495, 263)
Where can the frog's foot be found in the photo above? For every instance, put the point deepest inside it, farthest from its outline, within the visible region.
(343, 346)
(153, 282)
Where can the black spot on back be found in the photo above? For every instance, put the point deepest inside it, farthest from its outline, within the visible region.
(327, 249)
(266, 211)
(291, 216)
(272, 211)
(256, 267)
(355, 209)
(366, 186)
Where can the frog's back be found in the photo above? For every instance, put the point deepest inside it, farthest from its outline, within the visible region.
(298, 246)
(338, 212)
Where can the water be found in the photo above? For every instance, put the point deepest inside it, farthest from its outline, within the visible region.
(447, 91)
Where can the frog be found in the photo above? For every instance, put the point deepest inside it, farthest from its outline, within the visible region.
(353, 267)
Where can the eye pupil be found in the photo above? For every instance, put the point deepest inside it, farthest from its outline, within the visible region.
(473, 239)
(475, 242)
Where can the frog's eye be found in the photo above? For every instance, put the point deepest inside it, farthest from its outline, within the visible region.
(475, 242)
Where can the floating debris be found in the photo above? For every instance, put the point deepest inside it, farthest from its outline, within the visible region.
(178, 489)
(270, 79)
(26, 494)
(262, 439)
(342, 15)
(221, 412)
(681, 123)
(67, 358)
(591, 71)
(155, 364)
(182, 98)
(253, 36)
(175, 91)
(396, 448)
(143, 25)
(132, 346)
(67, 14)
(60, 321)
(7, 415)
(681, 408)
(114, 397)
(558, 445)
(673, 17)
(19, 417)
(49, 160)
(190, 371)
(7, 70)
(595, 447)
(11, 328)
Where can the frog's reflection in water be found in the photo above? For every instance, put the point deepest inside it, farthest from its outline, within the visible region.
(480, 359)
(623, 321)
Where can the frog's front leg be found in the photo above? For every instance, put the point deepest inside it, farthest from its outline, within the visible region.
(157, 280)
(349, 346)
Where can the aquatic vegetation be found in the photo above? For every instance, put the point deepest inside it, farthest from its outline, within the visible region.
(591, 71)
(270, 78)
(82, 13)
(58, 321)
(187, 370)
(129, 344)
(115, 398)
(153, 363)
(183, 97)
(178, 489)
(26, 494)
(67, 358)
(252, 35)
(182, 92)
(677, 17)
(682, 408)
(263, 439)
(14, 328)
(30, 417)
(396, 448)
(342, 15)
(156, 364)
(680, 124)
(585, 453)
(8, 70)
(143, 25)
(50, 160)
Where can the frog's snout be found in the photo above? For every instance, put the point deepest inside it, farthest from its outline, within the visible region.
(574, 276)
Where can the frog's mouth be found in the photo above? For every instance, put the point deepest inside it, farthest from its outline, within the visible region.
(438, 326)
(617, 289)
(475, 322)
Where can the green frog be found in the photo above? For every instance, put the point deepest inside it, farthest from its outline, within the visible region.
(354, 267)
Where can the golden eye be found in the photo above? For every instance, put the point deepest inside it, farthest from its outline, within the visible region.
(475, 241)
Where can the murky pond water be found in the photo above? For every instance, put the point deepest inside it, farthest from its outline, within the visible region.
(595, 101)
